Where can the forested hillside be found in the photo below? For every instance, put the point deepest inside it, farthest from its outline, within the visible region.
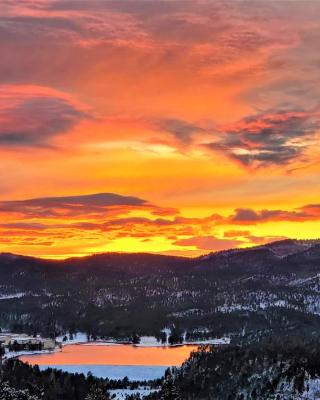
(278, 370)
(244, 294)
(267, 299)
(282, 369)
(20, 381)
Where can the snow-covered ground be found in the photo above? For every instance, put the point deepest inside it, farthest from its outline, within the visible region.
(78, 337)
(7, 296)
(312, 389)
(145, 341)
(220, 341)
(151, 341)
(15, 354)
(120, 394)
(133, 372)
(285, 389)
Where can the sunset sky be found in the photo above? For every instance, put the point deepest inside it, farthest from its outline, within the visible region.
(176, 127)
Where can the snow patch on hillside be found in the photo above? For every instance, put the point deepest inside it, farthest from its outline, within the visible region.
(16, 354)
(7, 296)
(149, 341)
(120, 394)
(145, 341)
(77, 338)
(286, 389)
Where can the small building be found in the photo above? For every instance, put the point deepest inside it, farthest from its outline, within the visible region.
(21, 342)
(5, 340)
(48, 344)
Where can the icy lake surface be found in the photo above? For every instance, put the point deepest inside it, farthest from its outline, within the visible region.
(113, 361)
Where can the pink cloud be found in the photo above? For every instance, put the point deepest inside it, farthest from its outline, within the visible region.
(210, 243)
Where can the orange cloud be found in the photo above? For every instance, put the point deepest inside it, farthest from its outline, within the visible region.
(47, 226)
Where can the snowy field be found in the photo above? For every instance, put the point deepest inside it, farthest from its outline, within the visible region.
(77, 338)
(133, 372)
(17, 354)
(151, 341)
(145, 341)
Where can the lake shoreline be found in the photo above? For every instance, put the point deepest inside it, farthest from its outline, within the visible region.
(145, 341)
(81, 339)
(112, 361)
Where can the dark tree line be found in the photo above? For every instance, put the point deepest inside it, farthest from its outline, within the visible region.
(257, 371)
(51, 384)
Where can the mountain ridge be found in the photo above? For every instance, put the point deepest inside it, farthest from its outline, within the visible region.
(259, 291)
(292, 246)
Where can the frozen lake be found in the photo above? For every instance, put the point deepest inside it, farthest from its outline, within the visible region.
(133, 372)
(113, 361)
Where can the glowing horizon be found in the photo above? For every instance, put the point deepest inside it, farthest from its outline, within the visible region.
(165, 127)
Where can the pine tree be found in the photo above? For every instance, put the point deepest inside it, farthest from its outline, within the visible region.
(96, 393)
(9, 393)
(170, 390)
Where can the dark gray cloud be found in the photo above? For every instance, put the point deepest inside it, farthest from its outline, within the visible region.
(70, 205)
(34, 119)
(275, 137)
(249, 216)
(98, 199)
(245, 215)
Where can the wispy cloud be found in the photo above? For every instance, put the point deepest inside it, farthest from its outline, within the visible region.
(274, 137)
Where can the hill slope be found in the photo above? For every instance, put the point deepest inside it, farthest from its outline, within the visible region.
(247, 293)
(267, 371)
